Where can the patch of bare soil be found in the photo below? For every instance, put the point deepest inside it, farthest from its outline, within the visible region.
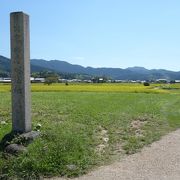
(103, 139)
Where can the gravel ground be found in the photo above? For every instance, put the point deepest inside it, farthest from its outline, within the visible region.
(159, 161)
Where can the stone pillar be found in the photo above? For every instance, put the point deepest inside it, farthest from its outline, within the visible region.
(20, 72)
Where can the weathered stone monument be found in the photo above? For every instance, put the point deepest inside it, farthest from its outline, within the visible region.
(20, 73)
(22, 134)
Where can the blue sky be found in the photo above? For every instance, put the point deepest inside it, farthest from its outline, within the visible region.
(100, 33)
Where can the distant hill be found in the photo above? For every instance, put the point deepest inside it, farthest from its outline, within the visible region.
(5, 66)
(132, 73)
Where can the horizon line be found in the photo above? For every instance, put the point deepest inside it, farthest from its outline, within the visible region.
(135, 66)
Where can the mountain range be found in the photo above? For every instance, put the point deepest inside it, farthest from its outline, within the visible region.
(131, 73)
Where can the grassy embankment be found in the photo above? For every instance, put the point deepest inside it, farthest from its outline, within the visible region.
(82, 130)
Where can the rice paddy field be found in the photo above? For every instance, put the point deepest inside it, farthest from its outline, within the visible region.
(101, 87)
(88, 125)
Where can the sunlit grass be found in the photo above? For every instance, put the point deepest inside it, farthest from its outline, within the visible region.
(74, 119)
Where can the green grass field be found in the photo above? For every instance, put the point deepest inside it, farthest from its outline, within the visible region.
(85, 126)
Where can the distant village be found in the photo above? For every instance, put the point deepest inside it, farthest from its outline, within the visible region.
(97, 80)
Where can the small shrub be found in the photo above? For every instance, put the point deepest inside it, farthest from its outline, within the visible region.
(146, 84)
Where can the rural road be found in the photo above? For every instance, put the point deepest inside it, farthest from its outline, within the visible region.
(159, 161)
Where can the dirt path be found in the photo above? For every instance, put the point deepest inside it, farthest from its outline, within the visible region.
(159, 161)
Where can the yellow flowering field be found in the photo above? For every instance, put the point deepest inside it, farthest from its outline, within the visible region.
(84, 87)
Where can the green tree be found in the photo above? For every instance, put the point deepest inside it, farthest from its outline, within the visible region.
(51, 79)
